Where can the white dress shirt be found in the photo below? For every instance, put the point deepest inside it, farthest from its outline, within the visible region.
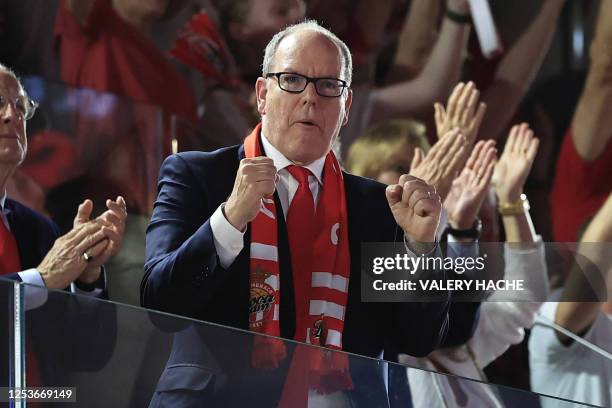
(229, 241)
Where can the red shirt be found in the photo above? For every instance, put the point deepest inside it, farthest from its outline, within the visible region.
(580, 189)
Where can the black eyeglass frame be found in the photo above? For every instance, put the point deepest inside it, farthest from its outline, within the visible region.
(277, 75)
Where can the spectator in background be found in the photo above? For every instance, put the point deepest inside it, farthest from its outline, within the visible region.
(224, 42)
(31, 251)
(406, 99)
(561, 365)
(505, 315)
(104, 45)
(384, 152)
(71, 258)
(583, 178)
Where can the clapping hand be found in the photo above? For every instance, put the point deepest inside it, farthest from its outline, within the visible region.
(514, 164)
(441, 164)
(469, 189)
(462, 112)
(113, 227)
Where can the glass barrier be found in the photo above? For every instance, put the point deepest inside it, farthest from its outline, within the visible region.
(83, 143)
(72, 344)
(86, 144)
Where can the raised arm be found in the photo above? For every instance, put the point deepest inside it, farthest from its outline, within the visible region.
(579, 316)
(509, 179)
(518, 69)
(372, 20)
(434, 81)
(416, 40)
(502, 319)
(592, 121)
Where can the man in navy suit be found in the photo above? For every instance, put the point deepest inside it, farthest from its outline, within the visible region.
(32, 251)
(203, 243)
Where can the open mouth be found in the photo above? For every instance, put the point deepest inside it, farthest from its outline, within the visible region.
(307, 123)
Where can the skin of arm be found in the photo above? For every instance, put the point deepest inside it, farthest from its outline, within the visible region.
(373, 20)
(416, 40)
(592, 121)
(518, 69)
(434, 82)
(579, 316)
(509, 178)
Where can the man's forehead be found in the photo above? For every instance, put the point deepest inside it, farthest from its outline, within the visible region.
(8, 83)
(297, 49)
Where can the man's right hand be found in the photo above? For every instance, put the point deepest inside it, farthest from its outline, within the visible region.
(65, 261)
(256, 179)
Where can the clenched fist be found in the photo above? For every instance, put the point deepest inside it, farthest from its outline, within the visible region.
(416, 208)
(256, 179)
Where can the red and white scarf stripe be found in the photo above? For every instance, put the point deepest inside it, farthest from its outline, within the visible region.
(330, 272)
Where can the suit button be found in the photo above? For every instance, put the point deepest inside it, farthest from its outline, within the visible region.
(206, 272)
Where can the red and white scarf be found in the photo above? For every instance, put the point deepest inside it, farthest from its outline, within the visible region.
(328, 284)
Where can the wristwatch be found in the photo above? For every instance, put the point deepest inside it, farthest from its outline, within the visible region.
(473, 232)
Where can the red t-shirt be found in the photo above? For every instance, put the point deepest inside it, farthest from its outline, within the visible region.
(580, 189)
(110, 55)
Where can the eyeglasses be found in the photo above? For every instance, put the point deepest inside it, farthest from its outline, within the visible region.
(24, 106)
(296, 83)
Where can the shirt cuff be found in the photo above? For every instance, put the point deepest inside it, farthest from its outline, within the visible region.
(35, 290)
(420, 249)
(228, 240)
(95, 289)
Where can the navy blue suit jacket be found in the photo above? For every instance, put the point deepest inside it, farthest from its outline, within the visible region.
(67, 332)
(183, 275)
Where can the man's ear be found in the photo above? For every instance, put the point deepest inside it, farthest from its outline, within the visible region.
(261, 91)
(347, 106)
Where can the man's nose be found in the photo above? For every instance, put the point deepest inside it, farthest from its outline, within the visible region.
(9, 114)
(310, 93)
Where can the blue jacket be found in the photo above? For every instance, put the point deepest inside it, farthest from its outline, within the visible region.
(183, 276)
(68, 333)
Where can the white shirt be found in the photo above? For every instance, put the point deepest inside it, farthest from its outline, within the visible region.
(501, 324)
(228, 240)
(574, 372)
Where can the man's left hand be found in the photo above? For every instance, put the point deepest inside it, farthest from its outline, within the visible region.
(416, 208)
(114, 226)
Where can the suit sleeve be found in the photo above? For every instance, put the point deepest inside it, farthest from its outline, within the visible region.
(182, 269)
(418, 327)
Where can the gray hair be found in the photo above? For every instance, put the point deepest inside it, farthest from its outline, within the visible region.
(4, 68)
(308, 25)
(30, 104)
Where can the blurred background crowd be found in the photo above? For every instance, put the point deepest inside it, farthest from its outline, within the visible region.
(123, 83)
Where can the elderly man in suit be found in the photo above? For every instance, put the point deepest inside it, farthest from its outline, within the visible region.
(31, 250)
(68, 333)
(267, 236)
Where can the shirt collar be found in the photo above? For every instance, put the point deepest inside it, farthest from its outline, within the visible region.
(3, 200)
(280, 161)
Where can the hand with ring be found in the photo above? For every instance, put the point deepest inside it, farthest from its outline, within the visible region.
(65, 261)
(113, 222)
